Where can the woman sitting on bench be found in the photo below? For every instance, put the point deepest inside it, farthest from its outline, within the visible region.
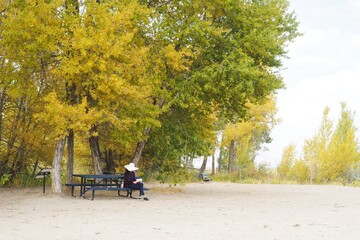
(131, 182)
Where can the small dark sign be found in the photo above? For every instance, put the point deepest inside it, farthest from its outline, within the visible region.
(42, 174)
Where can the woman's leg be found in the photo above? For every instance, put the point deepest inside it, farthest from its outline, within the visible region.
(138, 186)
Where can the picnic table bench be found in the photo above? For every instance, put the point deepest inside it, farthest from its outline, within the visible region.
(73, 185)
(128, 190)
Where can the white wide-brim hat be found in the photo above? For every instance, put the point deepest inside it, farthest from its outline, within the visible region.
(131, 167)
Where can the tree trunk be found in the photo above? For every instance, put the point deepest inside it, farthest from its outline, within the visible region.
(2, 114)
(232, 155)
(70, 162)
(213, 165)
(35, 167)
(95, 152)
(221, 152)
(220, 159)
(203, 166)
(141, 145)
(109, 160)
(138, 152)
(189, 162)
(56, 166)
(139, 148)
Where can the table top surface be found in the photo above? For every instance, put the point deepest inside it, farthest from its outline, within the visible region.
(98, 175)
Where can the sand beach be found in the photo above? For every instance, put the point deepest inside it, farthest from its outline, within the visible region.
(194, 211)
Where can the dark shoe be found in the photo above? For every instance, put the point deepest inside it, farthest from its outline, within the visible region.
(144, 197)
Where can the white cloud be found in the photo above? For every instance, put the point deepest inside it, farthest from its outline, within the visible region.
(301, 107)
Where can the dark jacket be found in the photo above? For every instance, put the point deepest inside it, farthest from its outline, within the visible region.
(129, 178)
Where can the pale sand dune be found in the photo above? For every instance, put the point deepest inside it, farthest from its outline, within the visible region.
(194, 211)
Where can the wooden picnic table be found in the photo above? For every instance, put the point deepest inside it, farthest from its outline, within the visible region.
(92, 182)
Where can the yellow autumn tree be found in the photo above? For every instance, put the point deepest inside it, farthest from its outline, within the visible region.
(29, 37)
(87, 66)
(333, 153)
(244, 139)
(287, 162)
(342, 151)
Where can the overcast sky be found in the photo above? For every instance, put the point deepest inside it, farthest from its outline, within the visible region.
(323, 70)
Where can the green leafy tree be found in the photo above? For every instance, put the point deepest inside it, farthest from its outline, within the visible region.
(182, 134)
(226, 52)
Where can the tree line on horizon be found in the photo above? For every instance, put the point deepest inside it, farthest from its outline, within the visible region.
(103, 83)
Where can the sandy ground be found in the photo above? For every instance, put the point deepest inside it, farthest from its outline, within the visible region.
(194, 211)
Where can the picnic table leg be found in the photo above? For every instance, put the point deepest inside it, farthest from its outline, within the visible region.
(82, 187)
(44, 183)
(129, 193)
(72, 191)
(93, 195)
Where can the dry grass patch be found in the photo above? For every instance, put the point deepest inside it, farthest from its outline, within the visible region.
(167, 189)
